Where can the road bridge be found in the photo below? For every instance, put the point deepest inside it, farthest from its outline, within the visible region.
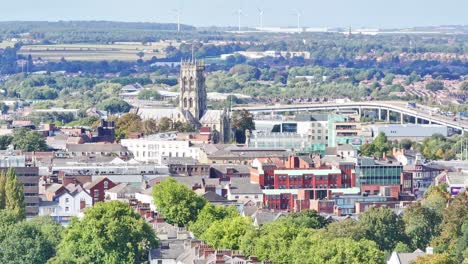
(381, 106)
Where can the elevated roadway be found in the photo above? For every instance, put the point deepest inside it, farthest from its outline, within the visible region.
(417, 113)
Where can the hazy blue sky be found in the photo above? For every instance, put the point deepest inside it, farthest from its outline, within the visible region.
(356, 13)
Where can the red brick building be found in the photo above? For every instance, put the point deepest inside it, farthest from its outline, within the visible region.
(98, 187)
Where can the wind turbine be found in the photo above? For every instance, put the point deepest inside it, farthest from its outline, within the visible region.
(298, 14)
(177, 12)
(260, 12)
(239, 14)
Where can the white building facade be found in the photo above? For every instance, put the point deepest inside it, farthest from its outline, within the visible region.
(153, 148)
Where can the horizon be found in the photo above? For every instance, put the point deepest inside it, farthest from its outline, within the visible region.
(208, 13)
(232, 26)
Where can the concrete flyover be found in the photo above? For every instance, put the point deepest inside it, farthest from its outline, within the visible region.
(389, 106)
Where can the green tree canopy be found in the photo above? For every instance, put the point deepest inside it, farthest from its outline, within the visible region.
(379, 146)
(14, 196)
(31, 241)
(242, 120)
(27, 140)
(149, 94)
(435, 86)
(177, 203)
(421, 224)
(454, 216)
(227, 233)
(208, 215)
(115, 105)
(109, 232)
(126, 124)
(316, 249)
(383, 227)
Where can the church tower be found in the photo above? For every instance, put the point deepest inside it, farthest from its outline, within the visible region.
(192, 88)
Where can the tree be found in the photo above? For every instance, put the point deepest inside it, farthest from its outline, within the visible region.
(272, 242)
(4, 108)
(150, 126)
(307, 219)
(346, 228)
(241, 121)
(14, 197)
(140, 54)
(109, 232)
(435, 86)
(383, 227)
(454, 216)
(435, 259)
(3, 180)
(208, 215)
(464, 86)
(149, 94)
(402, 248)
(31, 241)
(227, 233)
(436, 198)
(115, 105)
(28, 140)
(126, 124)
(315, 249)
(165, 124)
(5, 141)
(421, 224)
(177, 203)
(378, 147)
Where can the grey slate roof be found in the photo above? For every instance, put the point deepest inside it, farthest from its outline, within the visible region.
(243, 186)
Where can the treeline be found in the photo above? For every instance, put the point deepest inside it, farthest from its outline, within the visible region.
(90, 31)
(307, 235)
(436, 147)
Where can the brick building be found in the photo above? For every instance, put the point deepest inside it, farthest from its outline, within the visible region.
(98, 187)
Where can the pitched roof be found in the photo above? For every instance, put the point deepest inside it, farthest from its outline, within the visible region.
(214, 197)
(90, 185)
(262, 217)
(243, 185)
(407, 258)
(125, 188)
(54, 187)
(211, 116)
(95, 147)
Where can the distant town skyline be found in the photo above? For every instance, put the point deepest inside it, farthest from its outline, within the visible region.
(313, 13)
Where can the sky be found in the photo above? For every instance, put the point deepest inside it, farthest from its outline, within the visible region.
(313, 13)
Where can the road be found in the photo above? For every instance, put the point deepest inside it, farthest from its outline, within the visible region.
(393, 106)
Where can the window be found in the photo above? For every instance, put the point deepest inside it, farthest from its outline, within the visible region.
(67, 209)
(96, 193)
(67, 200)
(106, 184)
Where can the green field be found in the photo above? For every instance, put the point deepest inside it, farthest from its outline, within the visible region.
(95, 52)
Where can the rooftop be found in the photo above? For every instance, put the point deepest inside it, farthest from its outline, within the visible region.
(314, 172)
(243, 186)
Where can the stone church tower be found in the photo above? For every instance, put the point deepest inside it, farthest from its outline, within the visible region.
(192, 89)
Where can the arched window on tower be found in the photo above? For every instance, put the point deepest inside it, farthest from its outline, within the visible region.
(184, 82)
(185, 102)
(191, 83)
(190, 103)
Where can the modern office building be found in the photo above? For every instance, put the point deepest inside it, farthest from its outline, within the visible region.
(29, 176)
(371, 175)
